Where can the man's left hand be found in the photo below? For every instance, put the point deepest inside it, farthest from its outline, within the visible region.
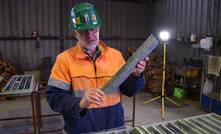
(140, 67)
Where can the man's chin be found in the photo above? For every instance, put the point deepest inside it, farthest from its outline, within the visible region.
(92, 43)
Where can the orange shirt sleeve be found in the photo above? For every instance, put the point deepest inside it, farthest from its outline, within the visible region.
(61, 71)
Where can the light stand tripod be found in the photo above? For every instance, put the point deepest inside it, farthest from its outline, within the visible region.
(162, 96)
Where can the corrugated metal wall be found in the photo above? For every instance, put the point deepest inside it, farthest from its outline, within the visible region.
(184, 17)
(125, 24)
(18, 19)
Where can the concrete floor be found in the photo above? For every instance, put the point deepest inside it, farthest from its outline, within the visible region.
(150, 113)
(145, 114)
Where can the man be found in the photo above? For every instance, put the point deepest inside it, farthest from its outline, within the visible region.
(79, 73)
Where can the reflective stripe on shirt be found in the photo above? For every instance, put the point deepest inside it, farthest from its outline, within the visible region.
(59, 84)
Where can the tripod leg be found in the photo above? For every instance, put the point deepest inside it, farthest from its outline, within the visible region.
(148, 101)
(178, 105)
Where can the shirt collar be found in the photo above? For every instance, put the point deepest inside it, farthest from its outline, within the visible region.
(96, 55)
(82, 55)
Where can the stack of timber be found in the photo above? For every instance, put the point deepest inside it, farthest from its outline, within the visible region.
(6, 72)
(154, 74)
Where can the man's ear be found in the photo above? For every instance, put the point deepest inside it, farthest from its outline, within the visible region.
(74, 33)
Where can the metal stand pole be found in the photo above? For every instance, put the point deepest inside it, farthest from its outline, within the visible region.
(33, 113)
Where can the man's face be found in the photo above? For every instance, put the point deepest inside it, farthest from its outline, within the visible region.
(88, 38)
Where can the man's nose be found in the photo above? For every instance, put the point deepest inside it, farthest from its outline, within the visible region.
(89, 32)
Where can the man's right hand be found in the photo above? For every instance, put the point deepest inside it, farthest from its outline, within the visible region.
(92, 96)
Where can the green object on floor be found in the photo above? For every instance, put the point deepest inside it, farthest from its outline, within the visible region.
(179, 93)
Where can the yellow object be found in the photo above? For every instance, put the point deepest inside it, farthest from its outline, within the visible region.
(78, 20)
(193, 72)
(163, 82)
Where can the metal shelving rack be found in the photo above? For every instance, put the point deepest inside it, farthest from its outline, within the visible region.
(210, 102)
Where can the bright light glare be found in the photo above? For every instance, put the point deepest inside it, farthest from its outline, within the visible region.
(164, 36)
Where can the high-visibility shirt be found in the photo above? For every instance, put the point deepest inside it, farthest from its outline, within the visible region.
(75, 71)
